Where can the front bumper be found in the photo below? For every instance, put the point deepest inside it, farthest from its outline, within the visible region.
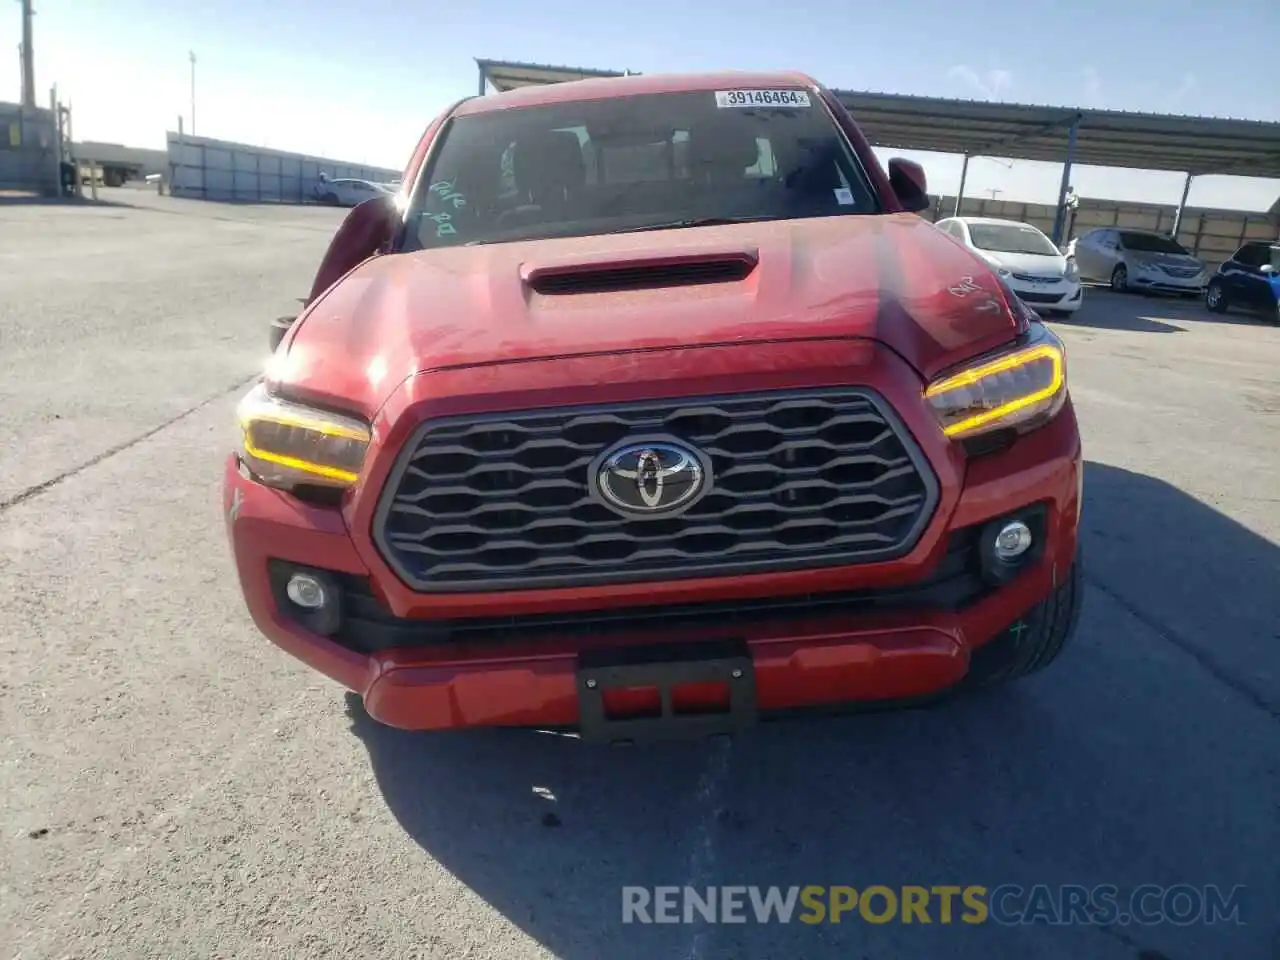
(1161, 282)
(522, 672)
(1065, 296)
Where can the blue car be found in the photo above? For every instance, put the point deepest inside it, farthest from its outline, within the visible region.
(1250, 281)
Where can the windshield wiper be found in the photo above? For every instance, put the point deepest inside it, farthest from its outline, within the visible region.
(692, 222)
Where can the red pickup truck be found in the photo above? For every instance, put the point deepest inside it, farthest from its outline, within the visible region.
(651, 407)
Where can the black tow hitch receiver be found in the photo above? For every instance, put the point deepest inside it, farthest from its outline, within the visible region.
(665, 668)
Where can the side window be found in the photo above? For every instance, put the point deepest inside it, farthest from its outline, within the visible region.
(507, 165)
(765, 166)
(590, 155)
(680, 155)
(1250, 255)
(637, 163)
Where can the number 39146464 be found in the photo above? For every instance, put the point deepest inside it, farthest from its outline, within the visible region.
(762, 98)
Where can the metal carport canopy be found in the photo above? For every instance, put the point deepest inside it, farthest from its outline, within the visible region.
(1104, 138)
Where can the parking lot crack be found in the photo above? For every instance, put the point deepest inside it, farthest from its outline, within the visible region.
(31, 492)
(1168, 634)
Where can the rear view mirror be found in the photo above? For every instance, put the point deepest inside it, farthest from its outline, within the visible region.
(908, 181)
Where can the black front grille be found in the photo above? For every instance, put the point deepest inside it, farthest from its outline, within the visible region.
(798, 480)
(1037, 297)
(369, 627)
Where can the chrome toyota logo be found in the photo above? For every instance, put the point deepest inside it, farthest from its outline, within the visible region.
(650, 478)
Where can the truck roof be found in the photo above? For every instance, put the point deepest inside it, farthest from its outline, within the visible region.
(606, 88)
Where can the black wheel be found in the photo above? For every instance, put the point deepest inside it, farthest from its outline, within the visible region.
(330, 198)
(1215, 298)
(1120, 279)
(1036, 640)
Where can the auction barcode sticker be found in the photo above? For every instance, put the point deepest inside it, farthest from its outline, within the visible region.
(762, 98)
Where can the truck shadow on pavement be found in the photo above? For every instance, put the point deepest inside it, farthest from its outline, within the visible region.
(1145, 755)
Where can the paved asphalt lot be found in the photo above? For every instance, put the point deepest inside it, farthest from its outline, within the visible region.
(174, 787)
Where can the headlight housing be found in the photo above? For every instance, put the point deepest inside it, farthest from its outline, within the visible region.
(1018, 389)
(286, 444)
(1073, 271)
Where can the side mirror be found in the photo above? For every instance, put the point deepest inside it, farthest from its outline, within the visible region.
(908, 181)
(367, 230)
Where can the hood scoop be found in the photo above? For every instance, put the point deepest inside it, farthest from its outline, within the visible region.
(620, 275)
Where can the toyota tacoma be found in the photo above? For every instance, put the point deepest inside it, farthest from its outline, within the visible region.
(651, 406)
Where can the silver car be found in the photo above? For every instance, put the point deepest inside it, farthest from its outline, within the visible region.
(347, 191)
(1138, 260)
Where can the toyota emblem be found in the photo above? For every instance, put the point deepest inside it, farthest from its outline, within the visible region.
(650, 478)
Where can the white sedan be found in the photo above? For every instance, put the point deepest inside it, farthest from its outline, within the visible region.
(349, 192)
(1025, 259)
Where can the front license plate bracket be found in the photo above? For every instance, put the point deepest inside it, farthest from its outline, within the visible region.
(666, 669)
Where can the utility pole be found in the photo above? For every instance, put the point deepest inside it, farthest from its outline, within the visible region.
(192, 54)
(28, 58)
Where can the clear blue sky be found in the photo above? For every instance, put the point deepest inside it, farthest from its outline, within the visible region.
(359, 81)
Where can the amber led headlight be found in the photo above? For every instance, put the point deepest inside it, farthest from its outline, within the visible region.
(1018, 389)
(285, 444)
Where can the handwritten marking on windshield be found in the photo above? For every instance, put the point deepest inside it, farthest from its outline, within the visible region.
(443, 221)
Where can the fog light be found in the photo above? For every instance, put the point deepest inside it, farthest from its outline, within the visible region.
(1012, 541)
(306, 591)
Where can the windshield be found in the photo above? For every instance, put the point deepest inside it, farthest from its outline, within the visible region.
(1151, 243)
(1011, 238)
(631, 163)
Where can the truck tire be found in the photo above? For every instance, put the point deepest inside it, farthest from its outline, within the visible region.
(1036, 640)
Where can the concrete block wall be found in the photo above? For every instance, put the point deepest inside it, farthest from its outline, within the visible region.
(207, 169)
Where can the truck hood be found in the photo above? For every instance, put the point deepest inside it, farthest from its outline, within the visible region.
(895, 279)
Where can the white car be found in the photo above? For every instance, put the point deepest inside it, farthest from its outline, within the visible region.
(1045, 279)
(348, 192)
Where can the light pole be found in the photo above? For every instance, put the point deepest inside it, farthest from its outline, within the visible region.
(192, 55)
(28, 56)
